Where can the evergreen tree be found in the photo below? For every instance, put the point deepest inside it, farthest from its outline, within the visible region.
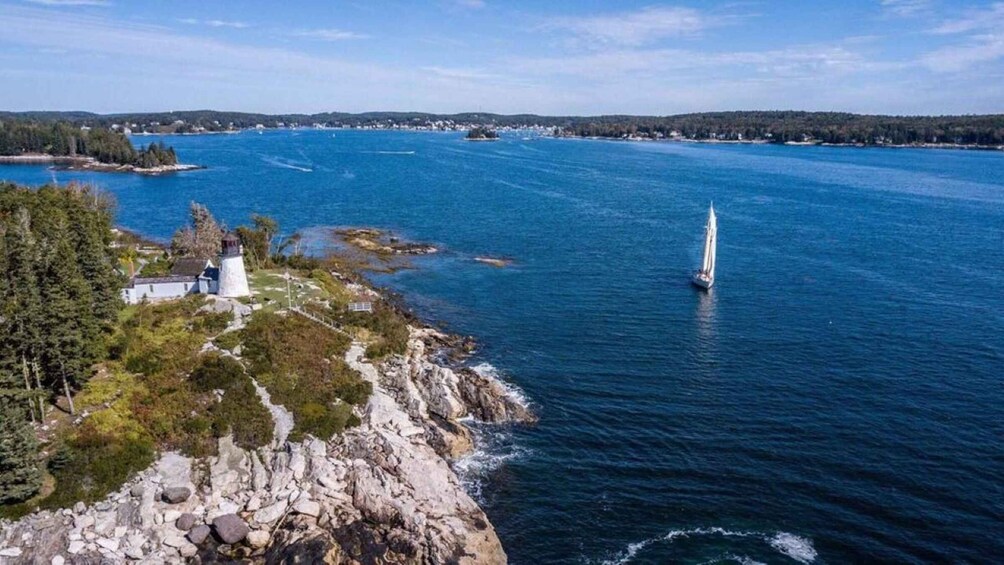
(21, 306)
(20, 477)
(69, 330)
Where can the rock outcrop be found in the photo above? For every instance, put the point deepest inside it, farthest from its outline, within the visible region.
(382, 492)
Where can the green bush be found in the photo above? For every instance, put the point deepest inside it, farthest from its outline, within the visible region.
(212, 322)
(216, 371)
(228, 340)
(302, 365)
(101, 463)
(242, 414)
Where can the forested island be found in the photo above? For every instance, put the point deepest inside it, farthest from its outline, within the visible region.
(982, 131)
(81, 146)
(481, 133)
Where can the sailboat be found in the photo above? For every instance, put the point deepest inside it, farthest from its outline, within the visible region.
(705, 276)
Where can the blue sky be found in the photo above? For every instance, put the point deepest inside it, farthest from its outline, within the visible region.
(555, 57)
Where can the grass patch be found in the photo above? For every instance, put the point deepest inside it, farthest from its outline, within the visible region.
(302, 365)
(386, 330)
(228, 340)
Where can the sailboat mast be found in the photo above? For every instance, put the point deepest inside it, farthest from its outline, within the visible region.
(712, 241)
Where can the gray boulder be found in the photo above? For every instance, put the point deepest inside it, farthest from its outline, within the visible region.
(230, 528)
(175, 495)
(185, 522)
(198, 534)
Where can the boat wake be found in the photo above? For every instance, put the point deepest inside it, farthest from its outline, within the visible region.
(390, 152)
(287, 164)
(790, 545)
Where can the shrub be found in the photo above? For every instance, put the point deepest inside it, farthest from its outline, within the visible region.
(212, 322)
(228, 340)
(216, 371)
(242, 414)
(301, 364)
(101, 463)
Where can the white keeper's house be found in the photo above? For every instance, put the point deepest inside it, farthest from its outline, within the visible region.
(190, 275)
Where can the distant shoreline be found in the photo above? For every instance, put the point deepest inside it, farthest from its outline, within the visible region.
(953, 146)
(90, 164)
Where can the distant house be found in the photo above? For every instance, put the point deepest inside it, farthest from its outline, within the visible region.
(188, 275)
(361, 303)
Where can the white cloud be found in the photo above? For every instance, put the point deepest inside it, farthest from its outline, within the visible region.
(980, 49)
(71, 2)
(215, 23)
(330, 34)
(982, 40)
(975, 20)
(638, 27)
(906, 8)
(804, 61)
(461, 73)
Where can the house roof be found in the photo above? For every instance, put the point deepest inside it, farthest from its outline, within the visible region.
(360, 298)
(211, 273)
(231, 237)
(189, 266)
(160, 280)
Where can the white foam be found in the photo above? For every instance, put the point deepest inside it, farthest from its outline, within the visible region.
(280, 163)
(493, 448)
(798, 548)
(488, 371)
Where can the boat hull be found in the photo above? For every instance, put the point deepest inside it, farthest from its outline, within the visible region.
(700, 280)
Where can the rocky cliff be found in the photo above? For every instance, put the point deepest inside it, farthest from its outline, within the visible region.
(383, 492)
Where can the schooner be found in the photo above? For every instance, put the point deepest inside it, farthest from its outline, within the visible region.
(705, 276)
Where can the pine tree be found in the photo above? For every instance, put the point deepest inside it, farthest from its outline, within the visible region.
(20, 477)
(21, 306)
(68, 327)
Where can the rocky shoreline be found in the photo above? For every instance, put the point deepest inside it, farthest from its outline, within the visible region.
(381, 492)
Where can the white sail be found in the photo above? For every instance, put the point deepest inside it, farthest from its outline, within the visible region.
(712, 243)
(705, 277)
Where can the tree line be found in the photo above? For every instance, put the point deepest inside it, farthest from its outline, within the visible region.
(781, 127)
(59, 295)
(65, 139)
(771, 126)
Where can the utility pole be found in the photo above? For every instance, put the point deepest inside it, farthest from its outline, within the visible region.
(289, 294)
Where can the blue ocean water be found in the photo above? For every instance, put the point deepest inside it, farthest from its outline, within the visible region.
(837, 397)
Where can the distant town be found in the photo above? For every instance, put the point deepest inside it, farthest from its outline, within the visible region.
(787, 127)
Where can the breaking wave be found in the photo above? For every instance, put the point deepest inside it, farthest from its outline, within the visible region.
(494, 445)
(489, 371)
(493, 448)
(795, 547)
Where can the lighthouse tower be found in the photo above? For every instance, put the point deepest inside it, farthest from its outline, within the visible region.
(233, 279)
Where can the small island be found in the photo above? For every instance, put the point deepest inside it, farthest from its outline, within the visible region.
(83, 148)
(482, 133)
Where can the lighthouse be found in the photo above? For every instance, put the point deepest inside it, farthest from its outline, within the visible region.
(233, 279)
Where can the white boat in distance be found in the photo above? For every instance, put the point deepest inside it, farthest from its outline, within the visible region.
(705, 276)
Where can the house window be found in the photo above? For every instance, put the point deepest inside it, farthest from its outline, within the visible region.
(151, 288)
(186, 287)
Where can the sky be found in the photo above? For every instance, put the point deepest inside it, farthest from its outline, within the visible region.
(557, 57)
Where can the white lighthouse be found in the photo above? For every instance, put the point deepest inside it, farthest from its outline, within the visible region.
(233, 279)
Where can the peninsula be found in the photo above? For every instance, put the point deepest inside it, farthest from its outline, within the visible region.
(82, 147)
(296, 416)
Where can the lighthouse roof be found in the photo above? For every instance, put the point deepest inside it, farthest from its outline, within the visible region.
(231, 237)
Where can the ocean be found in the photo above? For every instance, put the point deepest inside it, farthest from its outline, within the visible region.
(837, 396)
